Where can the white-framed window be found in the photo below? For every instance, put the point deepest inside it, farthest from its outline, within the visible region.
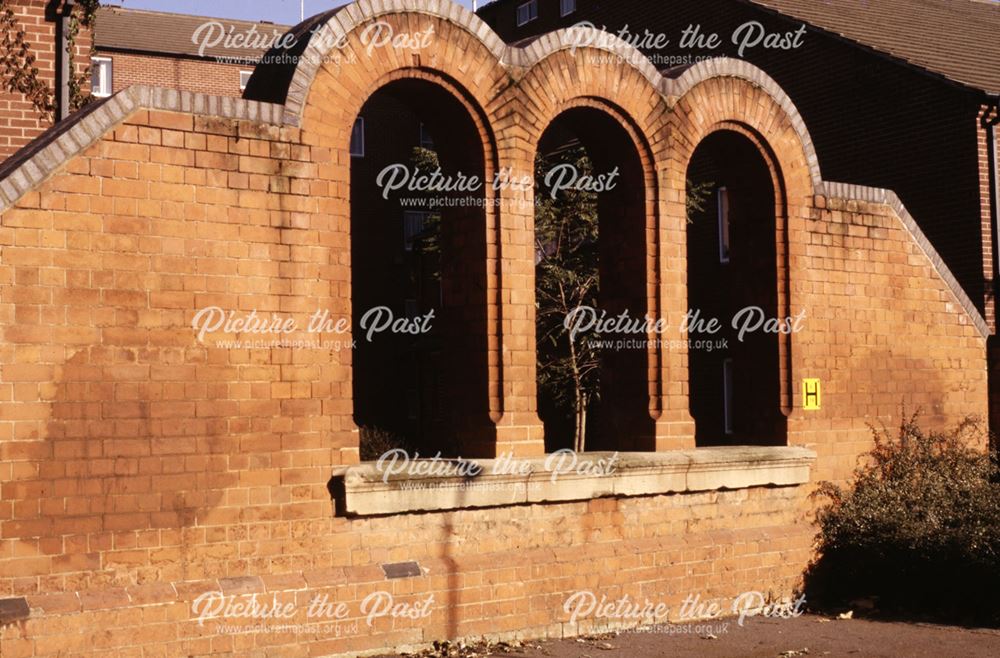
(723, 211)
(413, 225)
(527, 12)
(358, 138)
(727, 396)
(567, 7)
(426, 141)
(245, 79)
(100, 76)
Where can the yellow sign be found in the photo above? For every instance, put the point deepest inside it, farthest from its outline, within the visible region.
(810, 394)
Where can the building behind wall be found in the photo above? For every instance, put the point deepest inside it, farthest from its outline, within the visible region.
(179, 51)
(899, 95)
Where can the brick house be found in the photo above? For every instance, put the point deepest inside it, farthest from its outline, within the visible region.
(155, 465)
(177, 50)
(129, 47)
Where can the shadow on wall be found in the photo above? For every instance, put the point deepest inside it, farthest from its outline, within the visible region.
(120, 449)
(884, 383)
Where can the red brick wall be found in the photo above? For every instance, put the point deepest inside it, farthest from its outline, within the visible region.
(986, 169)
(20, 122)
(194, 75)
(142, 467)
(882, 337)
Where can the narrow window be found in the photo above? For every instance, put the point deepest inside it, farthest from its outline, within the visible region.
(426, 141)
(413, 226)
(723, 225)
(244, 79)
(527, 12)
(358, 138)
(567, 7)
(100, 76)
(727, 395)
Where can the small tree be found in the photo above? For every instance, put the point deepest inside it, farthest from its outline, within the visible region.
(567, 277)
(428, 242)
(696, 198)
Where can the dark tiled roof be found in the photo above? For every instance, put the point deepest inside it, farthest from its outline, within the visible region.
(958, 39)
(174, 34)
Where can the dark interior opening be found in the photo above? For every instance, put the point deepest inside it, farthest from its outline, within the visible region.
(617, 416)
(420, 255)
(735, 390)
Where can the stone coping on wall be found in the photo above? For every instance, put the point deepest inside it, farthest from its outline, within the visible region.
(398, 484)
(877, 195)
(53, 148)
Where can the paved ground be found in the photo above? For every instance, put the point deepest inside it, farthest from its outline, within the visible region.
(766, 638)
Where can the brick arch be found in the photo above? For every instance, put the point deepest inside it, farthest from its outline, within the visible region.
(728, 101)
(559, 77)
(462, 66)
(346, 23)
(639, 144)
(587, 38)
(738, 97)
(782, 253)
(321, 96)
(781, 250)
(749, 77)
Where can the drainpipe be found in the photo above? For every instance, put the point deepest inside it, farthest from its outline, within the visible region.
(65, 60)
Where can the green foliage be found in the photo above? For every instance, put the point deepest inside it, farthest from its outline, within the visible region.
(17, 61)
(919, 531)
(84, 16)
(696, 198)
(428, 243)
(17, 64)
(567, 276)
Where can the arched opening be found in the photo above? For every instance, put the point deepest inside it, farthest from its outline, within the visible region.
(592, 203)
(733, 264)
(418, 272)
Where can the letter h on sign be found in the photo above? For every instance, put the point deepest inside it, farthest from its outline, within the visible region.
(810, 394)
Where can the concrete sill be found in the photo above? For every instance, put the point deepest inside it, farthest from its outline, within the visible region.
(365, 490)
